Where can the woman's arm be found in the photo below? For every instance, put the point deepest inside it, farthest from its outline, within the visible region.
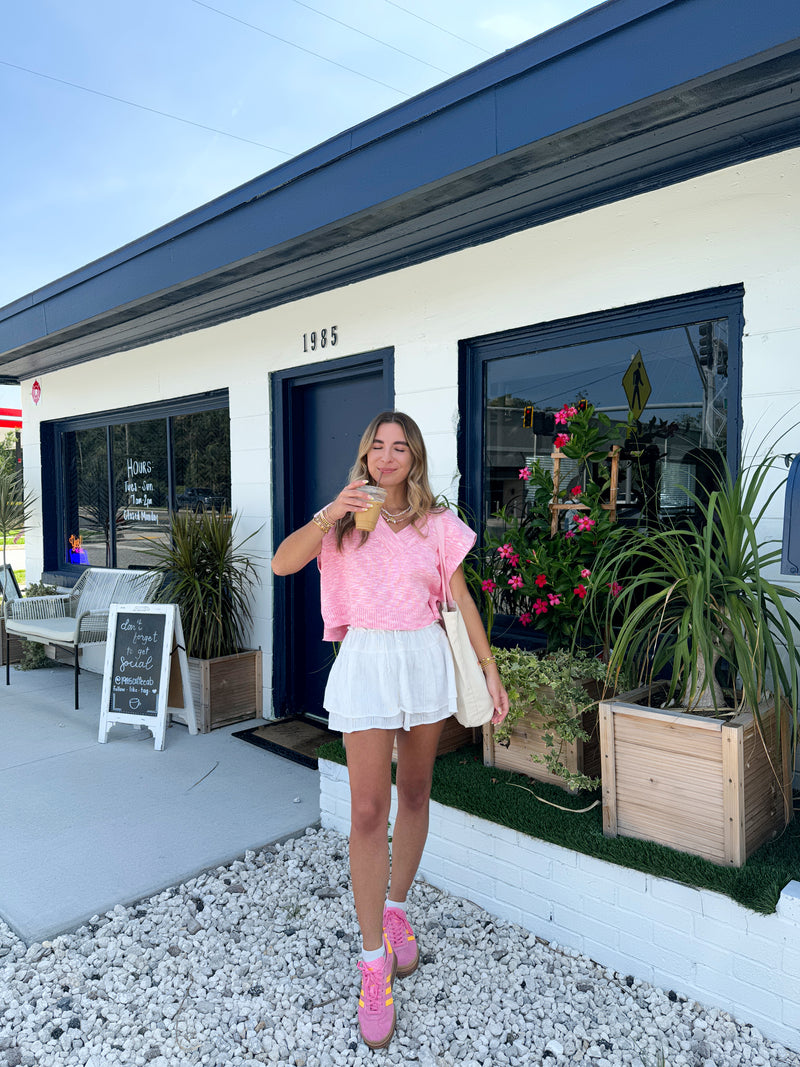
(480, 643)
(300, 547)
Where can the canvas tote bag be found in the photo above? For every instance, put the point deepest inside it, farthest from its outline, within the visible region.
(475, 705)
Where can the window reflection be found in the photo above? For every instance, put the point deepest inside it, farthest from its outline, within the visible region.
(676, 379)
(140, 489)
(201, 444)
(87, 524)
(116, 504)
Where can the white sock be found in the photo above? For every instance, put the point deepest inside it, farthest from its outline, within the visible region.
(371, 957)
(395, 904)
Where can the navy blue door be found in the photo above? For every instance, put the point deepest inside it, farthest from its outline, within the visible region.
(319, 415)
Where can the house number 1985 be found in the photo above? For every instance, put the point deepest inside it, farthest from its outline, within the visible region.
(320, 338)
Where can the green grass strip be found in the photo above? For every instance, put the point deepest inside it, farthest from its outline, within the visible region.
(461, 781)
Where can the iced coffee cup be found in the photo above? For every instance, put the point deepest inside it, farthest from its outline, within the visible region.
(368, 520)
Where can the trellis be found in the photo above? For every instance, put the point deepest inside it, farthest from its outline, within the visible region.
(557, 506)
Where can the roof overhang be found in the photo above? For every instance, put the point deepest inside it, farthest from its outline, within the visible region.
(633, 95)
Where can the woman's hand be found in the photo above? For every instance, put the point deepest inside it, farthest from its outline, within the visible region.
(350, 499)
(498, 693)
(300, 547)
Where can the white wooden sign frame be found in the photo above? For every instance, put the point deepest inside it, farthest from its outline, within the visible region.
(173, 645)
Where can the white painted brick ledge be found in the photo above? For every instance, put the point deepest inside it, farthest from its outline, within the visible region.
(701, 944)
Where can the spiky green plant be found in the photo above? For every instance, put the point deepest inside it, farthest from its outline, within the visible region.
(211, 580)
(695, 596)
(16, 501)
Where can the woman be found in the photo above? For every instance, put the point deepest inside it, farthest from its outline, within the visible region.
(392, 679)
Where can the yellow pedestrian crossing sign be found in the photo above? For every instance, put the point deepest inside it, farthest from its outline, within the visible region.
(636, 385)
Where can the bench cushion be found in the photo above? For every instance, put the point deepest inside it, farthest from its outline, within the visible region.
(45, 631)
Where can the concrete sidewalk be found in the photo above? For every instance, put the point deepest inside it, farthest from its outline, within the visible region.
(85, 826)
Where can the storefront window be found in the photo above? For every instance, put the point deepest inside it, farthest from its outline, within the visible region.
(118, 475)
(674, 379)
(201, 446)
(87, 525)
(139, 465)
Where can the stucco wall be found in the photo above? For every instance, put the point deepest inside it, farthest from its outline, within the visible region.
(735, 226)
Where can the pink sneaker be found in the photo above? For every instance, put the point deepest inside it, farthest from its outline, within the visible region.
(398, 931)
(376, 1014)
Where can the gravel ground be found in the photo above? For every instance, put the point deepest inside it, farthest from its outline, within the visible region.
(256, 963)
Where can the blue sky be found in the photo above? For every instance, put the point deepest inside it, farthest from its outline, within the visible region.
(84, 174)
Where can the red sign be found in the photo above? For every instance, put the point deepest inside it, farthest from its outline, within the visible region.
(36, 391)
(11, 418)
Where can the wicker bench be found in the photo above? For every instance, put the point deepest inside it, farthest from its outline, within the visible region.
(79, 617)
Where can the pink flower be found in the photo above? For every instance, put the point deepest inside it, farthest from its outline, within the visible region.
(524, 473)
(615, 588)
(584, 523)
(513, 560)
(505, 551)
(516, 581)
(580, 591)
(526, 619)
(569, 533)
(569, 411)
(540, 607)
(576, 490)
(488, 586)
(540, 580)
(554, 599)
(561, 440)
(586, 573)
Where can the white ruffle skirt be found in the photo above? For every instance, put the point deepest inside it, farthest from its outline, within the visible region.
(391, 680)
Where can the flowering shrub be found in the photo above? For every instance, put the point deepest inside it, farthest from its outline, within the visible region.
(545, 578)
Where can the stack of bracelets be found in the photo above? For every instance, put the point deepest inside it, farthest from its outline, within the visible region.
(322, 520)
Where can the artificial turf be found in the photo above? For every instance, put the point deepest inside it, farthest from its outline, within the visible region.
(460, 780)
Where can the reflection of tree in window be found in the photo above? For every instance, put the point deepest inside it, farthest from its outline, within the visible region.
(95, 514)
(201, 446)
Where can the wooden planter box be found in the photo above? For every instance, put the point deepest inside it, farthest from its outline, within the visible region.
(225, 690)
(696, 784)
(15, 646)
(527, 739)
(454, 736)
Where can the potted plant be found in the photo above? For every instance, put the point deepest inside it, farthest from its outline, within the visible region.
(542, 570)
(211, 580)
(701, 760)
(550, 732)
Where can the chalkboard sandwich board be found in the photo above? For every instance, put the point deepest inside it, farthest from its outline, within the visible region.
(143, 640)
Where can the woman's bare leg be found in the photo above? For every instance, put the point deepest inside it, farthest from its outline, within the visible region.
(369, 765)
(416, 752)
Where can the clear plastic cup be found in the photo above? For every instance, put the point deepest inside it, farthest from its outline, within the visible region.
(368, 520)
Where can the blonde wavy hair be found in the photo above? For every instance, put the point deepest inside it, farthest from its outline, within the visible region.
(420, 495)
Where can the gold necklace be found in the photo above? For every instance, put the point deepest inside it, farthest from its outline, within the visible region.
(395, 517)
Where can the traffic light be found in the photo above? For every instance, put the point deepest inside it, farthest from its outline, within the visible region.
(582, 405)
(527, 417)
(706, 346)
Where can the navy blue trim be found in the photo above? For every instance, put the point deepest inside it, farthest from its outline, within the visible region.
(691, 85)
(281, 385)
(186, 405)
(475, 353)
